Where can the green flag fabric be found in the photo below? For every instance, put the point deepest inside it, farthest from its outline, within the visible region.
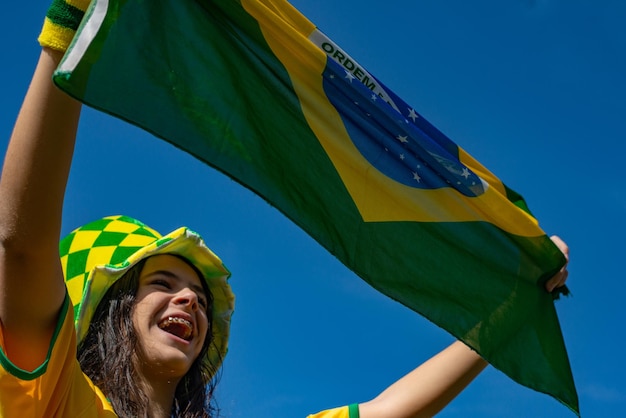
(255, 90)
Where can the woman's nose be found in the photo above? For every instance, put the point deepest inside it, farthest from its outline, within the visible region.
(187, 297)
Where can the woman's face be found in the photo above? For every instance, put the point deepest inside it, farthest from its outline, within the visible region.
(169, 317)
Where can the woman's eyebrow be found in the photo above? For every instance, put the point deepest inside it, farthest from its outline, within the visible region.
(195, 287)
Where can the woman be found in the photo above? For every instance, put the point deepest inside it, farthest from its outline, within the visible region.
(151, 313)
(160, 329)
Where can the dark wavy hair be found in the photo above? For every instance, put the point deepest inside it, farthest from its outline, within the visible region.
(108, 355)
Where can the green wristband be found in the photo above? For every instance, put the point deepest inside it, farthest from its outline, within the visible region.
(62, 20)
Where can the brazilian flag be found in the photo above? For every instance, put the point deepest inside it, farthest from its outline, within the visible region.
(255, 90)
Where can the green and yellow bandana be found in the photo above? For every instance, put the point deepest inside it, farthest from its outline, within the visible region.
(96, 255)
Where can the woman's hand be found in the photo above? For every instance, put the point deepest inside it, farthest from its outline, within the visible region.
(558, 280)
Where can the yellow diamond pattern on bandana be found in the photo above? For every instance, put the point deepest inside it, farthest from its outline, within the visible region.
(108, 241)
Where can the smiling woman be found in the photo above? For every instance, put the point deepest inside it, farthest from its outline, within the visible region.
(154, 323)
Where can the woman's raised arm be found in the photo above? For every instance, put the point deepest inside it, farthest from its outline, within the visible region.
(32, 188)
(430, 387)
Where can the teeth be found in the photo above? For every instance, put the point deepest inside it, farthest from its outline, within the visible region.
(178, 320)
(177, 326)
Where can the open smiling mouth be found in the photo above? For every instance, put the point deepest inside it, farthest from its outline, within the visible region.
(177, 326)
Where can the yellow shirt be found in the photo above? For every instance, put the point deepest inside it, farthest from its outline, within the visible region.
(58, 387)
(351, 411)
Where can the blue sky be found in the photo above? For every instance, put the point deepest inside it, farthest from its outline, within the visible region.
(534, 89)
